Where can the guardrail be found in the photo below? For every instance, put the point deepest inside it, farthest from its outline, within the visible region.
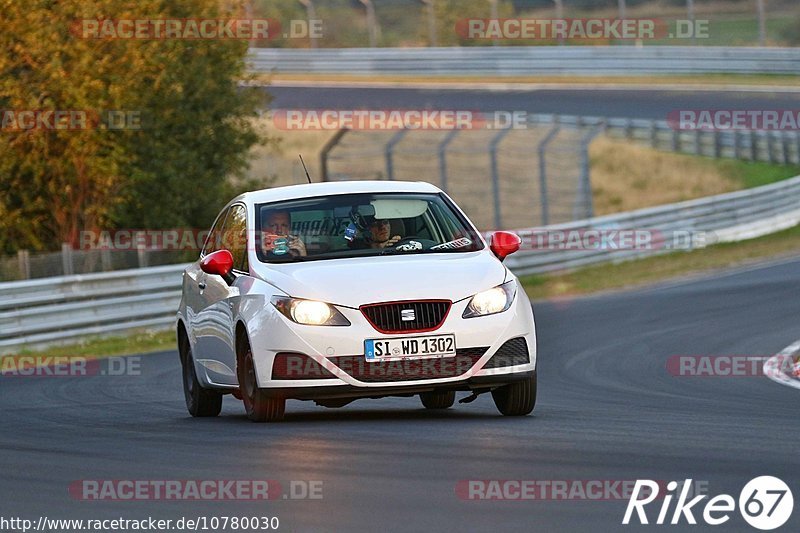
(51, 310)
(726, 217)
(48, 310)
(527, 60)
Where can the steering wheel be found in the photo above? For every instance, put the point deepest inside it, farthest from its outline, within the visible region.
(426, 243)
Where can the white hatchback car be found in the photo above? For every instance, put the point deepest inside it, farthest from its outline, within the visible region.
(337, 291)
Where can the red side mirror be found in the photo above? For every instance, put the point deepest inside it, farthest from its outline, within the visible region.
(505, 243)
(219, 263)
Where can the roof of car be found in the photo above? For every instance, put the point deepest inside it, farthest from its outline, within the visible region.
(308, 190)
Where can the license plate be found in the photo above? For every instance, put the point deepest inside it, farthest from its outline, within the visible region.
(404, 347)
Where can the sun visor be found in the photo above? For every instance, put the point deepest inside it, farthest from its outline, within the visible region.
(393, 208)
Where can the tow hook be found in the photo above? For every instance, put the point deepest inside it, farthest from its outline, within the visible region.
(472, 397)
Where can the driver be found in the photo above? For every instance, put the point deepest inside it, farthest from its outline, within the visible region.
(380, 234)
(277, 240)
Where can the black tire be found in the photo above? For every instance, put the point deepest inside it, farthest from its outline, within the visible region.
(516, 399)
(200, 402)
(438, 400)
(258, 406)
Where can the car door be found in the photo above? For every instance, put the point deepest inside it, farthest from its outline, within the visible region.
(194, 279)
(213, 316)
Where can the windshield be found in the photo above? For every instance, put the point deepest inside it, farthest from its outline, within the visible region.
(357, 225)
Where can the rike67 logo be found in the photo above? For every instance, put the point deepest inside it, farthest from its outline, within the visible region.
(765, 503)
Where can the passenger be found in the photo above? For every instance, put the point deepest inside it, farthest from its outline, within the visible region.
(277, 239)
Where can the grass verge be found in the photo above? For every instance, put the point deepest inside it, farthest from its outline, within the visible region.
(98, 347)
(628, 176)
(661, 268)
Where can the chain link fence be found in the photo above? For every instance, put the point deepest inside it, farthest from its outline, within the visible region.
(32, 265)
(503, 179)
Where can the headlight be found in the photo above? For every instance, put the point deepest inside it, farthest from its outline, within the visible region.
(493, 301)
(309, 312)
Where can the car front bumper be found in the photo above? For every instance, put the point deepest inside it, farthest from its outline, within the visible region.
(340, 352)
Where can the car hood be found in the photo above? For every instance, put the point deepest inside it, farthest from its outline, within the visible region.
(357, 281)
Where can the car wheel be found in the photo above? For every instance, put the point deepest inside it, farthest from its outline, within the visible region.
(516, 399)
(438, 400)
(259, 407)
(199, 401)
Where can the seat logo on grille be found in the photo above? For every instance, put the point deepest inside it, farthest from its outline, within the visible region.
(407, 315)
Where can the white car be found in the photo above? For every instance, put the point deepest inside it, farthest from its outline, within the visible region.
(338, 291)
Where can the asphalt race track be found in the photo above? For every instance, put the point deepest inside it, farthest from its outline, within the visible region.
(628, 103)
(608, 410)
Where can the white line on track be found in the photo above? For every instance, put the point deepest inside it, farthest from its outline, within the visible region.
(779, 367)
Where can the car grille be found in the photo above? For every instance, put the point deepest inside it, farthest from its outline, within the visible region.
(409, 369)
(512, 352)
(428, 315)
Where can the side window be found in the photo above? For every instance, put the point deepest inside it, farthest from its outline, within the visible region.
(235, 236)
(213, 241)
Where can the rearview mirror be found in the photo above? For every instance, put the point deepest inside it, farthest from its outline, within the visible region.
(505, 243)
(219, 263)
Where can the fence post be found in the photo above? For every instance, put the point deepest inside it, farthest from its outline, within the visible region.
(105, 259)
(24, 261)
(697, 149)
(653, 134)
(717, 144)
(451, 135)
(753, 146)
(784, 147)
(584, 206)
(390, 153)
(770, 148)
(326, 150)
(543, 172)
(66, 258)
(141, 248)
(797, 147)
(676, 140)
(737, 137)
(498, 217)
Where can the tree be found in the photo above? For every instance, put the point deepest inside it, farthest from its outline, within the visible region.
(195, 121)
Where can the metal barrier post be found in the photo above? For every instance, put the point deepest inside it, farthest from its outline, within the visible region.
(390, 153)
(326, 150)
(543, 172)
(24, 262)
(498, 217)
(66, 258)
(443, 157)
